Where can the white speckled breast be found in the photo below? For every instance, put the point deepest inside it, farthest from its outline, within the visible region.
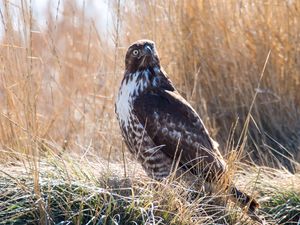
(155, 163)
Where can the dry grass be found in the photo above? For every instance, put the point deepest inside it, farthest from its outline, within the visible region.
(215, 52)
(58, 85)
(77, 191)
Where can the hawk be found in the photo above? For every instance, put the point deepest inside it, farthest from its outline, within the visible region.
(162, 129)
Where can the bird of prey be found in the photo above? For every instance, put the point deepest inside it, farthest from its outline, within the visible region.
(160, 127)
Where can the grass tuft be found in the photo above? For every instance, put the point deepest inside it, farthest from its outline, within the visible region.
(104, 198)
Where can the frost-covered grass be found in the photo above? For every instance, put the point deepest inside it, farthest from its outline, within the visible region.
(68, 194)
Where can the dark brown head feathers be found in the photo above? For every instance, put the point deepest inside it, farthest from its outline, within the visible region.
(141, 55)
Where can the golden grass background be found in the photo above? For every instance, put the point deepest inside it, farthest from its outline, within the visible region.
(59, 81)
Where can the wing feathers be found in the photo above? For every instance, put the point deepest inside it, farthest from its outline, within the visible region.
(170, 121)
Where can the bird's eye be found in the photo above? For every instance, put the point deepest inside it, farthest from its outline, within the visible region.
(135, 52)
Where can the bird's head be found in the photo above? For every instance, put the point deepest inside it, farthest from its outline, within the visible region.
(141, 55)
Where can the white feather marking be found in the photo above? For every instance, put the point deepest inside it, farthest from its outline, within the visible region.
(164, 131)
(125, 99)
(155, 82)
(215, 144)
(156, 69)
(146, 73)
(175, 134)
(127, 94)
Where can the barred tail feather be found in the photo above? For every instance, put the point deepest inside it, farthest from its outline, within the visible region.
(245, 200)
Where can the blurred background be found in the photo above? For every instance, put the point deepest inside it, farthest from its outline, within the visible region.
(61, 63)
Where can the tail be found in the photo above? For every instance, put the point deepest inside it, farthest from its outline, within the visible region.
(245, 200)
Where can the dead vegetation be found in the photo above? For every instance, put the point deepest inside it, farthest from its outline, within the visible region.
(59, 73)
(76, 191)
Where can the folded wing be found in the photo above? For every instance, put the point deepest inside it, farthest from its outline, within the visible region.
(171, 122)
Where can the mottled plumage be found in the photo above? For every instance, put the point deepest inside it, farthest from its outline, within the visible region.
(160, 127)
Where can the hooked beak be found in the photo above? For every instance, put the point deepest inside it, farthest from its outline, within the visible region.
(148, 56)
(147, 51)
